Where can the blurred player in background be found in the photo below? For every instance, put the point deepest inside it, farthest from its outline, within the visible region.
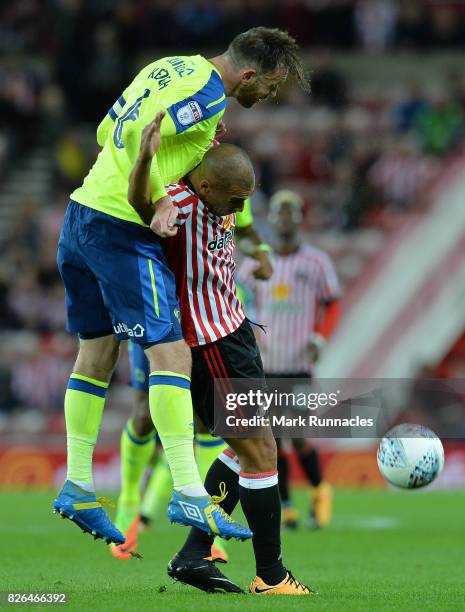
(117, 282)
(138, 438)
(300, 307)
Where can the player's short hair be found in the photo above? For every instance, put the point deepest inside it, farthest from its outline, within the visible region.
(266, 49)
(227, 164)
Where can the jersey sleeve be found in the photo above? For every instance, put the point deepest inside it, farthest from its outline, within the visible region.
(184, 203)
(189, 112)
(328, 287)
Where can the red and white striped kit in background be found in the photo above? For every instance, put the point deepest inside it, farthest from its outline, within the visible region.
(200, 256)
(288, 303)
(246, 480)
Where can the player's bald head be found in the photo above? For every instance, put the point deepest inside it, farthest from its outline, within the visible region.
(228, 167)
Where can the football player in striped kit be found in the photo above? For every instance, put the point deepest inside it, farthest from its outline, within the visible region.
(223, 346)
(300, 307)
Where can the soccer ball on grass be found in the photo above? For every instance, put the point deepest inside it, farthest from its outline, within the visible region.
(410, 456)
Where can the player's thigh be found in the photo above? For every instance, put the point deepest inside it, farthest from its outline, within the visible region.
(137, 285)
(86, 311)
(213, 365)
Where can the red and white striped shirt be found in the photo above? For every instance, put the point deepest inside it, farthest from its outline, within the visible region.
(287, 305)
(200, 256)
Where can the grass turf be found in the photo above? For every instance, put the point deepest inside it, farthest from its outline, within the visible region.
(383, 551)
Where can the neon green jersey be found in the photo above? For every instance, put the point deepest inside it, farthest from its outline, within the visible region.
(192, 93)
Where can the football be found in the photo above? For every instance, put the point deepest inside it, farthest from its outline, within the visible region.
(410, 456)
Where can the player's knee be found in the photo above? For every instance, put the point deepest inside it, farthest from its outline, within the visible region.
(141, 419)
(170, 357)
(97, 358)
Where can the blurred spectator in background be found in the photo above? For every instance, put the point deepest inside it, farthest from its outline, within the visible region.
(329, 87)
(439, 125)
(400, 173)
(409, 107)
(375, 22)
(447, 29)
(412, 29)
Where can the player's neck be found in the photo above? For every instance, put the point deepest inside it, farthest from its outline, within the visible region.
(228, 76)
(287, 247)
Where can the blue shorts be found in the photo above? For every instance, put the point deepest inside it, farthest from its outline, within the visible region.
(117, 279)
(139, 364)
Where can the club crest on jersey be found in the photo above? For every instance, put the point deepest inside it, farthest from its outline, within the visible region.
(220, 241)
(227, 222)
(190, 113)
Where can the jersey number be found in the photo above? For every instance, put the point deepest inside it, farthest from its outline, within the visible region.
(130, 115)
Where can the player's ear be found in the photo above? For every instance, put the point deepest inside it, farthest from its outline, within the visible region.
(248, 76)
(204, 186)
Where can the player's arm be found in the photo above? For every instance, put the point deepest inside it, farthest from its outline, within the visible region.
(328, 316)
(329, 308)
(139, 191)
(250, 243)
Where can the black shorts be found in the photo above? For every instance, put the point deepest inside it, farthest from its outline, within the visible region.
(234, 356)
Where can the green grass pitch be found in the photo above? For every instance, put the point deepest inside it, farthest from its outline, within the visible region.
(384, 551)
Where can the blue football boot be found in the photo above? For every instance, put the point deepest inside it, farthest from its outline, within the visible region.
(84, 509)
(207, 515)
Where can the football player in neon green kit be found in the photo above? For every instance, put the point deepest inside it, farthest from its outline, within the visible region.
(117, 281)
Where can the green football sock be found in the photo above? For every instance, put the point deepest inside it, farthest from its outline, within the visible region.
(136, 452)
(158, 491)
(84, 402)
(171, 410)
(207, 449)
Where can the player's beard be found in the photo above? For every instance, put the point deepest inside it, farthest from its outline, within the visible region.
(247, 97)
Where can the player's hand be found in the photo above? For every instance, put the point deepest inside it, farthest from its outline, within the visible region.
(164, 220)
(264, 270)
(220, 130)
(150, 141)
(314, 348)
(313, 352)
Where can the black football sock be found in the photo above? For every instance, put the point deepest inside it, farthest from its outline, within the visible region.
(283, 477)
(310, 462)
(259, 495)
(198, 542)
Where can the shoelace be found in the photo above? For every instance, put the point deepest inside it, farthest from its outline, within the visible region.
(217, 499)
(105, 500)
(223, 493)
(298, 585)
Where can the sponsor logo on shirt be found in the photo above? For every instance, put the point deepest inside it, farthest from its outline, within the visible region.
(220, 242)
(190, 113)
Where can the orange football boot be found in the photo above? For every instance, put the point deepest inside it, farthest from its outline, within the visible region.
(127, 551)
(322, 503)
(289, 517)
(217, 554)
(288, 586)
